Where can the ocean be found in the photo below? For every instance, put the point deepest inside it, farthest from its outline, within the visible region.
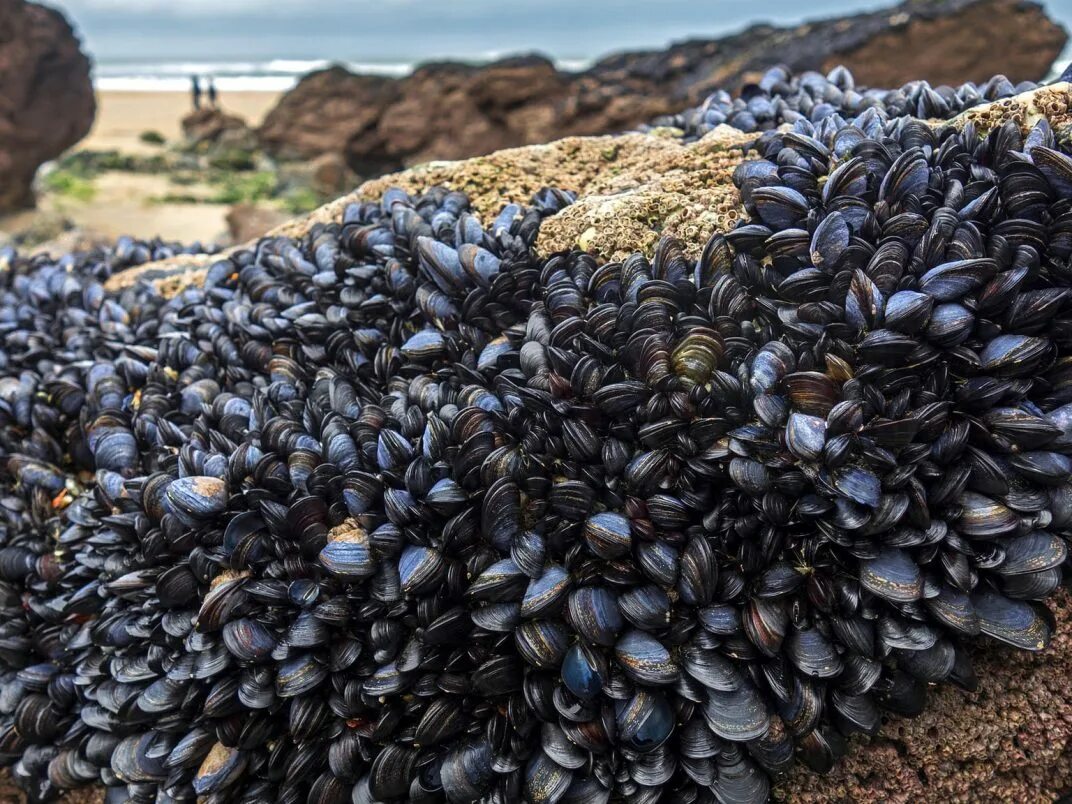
(274, 75)
(279, 75)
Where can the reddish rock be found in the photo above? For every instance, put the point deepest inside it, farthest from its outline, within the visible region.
(452, 111)
(46, 97)
(1010, 741)
(329, 175)
(213, 126)
(940, 41)
(328, 109)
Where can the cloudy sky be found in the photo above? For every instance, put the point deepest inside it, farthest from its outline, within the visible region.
(405, 30)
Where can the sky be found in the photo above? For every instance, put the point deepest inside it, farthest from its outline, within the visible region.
(417, 30)
(373, 31)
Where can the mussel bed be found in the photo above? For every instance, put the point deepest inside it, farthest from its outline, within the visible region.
(401, 511)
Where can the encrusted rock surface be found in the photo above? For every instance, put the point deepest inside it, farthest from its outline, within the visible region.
(1011, 741)
(632, 188)
(46, 98)
(452, 111)
(1054, 102)
(1008, 742)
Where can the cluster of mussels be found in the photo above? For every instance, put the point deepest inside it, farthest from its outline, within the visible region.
(781, 97)
(399, 512)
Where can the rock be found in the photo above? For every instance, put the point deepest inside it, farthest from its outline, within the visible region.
(46, 97)
(940, 41)
(632, 188)
(250, 221)
(332, 108)
(381, 124)
(331, 175)
(214, 127)
(1012, 740)
(76, 239)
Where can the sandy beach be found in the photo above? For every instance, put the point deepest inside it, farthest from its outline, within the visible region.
(123, 116)
(134, 203)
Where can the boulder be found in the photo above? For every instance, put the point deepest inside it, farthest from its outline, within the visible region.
(328, 109)
(453, 111)
(329, 175)
(46, 97)
(204, 128)
(939, 41)
(1010, 741)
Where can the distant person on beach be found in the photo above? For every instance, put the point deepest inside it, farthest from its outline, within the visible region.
(195, 91)
(212, 96)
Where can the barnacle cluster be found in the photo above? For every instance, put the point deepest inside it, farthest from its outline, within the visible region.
(401, 511)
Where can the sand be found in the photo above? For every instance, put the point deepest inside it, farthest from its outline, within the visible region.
(123, 116)
(129, 203)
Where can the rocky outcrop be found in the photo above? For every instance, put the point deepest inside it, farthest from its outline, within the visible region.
(940, 41)
(326, 111)
(452, 111)
(46, 97)
(213, 127)
(1011, 741)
